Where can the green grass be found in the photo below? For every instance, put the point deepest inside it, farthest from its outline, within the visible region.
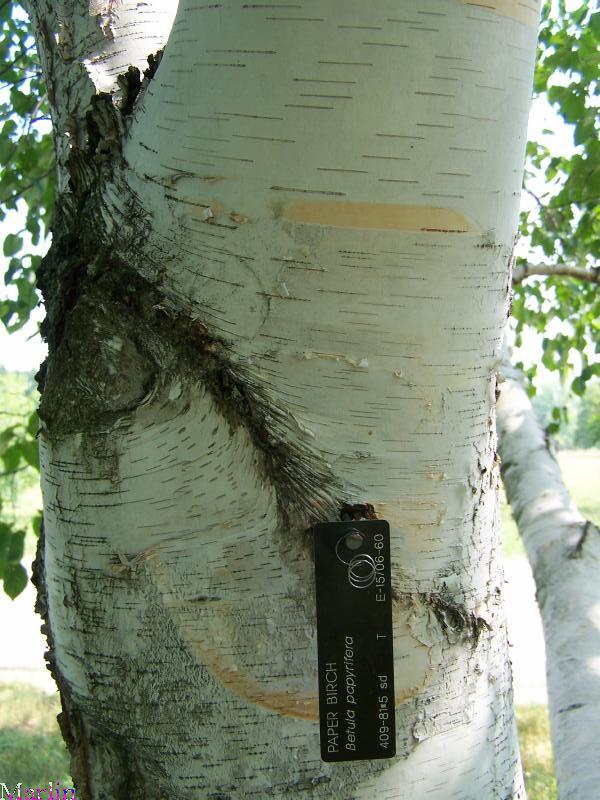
(31, 748)
(536, 752)
(511, 540)
(581, 474)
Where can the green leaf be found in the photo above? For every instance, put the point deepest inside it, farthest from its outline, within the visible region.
(30, 452)
(12, 244)
(22, 103)
(33, 424)
(15, 580)
(8, 129)
(11, 458)
(7, 149)
(5, 535)
(36, 523)
(16, 547)
(8, 435)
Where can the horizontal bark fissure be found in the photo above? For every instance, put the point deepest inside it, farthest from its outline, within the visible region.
(572, 707)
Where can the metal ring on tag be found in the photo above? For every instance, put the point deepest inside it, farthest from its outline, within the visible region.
(356, 577)
(342, 539)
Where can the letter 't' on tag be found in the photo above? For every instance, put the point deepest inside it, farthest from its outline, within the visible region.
(355, 640)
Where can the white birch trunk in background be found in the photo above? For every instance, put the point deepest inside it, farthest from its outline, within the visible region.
(564, 552)
(278, 286)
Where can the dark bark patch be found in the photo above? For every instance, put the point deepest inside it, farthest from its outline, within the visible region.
(114, 343)
(99, 369)
(357, 511)
(305, 485)
(456, 621)
(578, 550)
(78, 225)
(458, 624)
(130, 83)
(154, 60)
(105, 127)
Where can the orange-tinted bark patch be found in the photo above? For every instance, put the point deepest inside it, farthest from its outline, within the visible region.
(378, 216)
(525, 11)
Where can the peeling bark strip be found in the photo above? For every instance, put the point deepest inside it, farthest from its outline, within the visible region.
(564, 552)
(275, 296)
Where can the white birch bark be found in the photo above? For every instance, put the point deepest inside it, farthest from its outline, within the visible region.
(564, 552)
(295, 302)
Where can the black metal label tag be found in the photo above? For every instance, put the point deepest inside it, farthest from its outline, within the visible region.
(354, 640)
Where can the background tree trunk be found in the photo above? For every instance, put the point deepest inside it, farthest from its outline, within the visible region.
(277, 287)
(564, 552)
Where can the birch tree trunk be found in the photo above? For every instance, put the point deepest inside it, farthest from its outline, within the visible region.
(276, 293)
(564, 552)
